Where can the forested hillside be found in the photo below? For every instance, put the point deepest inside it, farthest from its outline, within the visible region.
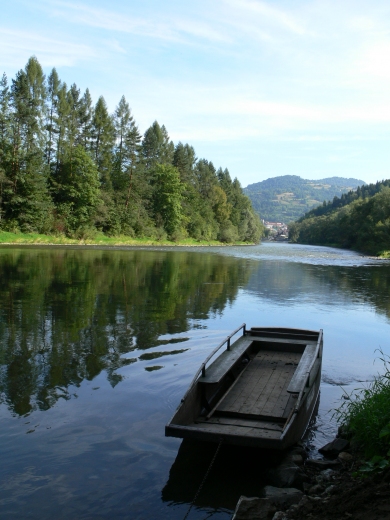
(288, 197)
(362, 224)
(68, 166)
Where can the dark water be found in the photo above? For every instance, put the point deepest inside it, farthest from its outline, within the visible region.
(98, 346)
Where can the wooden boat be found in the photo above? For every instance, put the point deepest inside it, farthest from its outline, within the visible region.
(260, 391)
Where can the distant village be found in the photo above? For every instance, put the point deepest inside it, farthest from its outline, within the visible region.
(276, 230)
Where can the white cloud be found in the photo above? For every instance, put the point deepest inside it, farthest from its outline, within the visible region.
(172, 28)
(17, 46)
(265, 14)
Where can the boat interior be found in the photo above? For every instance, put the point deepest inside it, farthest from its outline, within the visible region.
(253, 387)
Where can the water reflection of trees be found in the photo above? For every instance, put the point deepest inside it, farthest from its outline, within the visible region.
(285, 283)
(67, 315)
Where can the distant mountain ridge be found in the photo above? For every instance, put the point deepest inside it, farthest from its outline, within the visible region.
(286, 198)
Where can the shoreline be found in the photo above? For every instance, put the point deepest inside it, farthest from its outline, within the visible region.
(327, 488)
(21, 239)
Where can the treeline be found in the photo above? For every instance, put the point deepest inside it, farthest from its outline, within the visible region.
(363, 224)
(362, 192)
(68, 166)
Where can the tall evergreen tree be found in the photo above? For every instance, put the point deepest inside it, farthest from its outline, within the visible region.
(156, 146)
(86, 117)
(53, 87)
(26, 200)
(103, 142)
(5, 138)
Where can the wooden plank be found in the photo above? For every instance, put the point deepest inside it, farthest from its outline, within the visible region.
(244, 423)
(280, 371)
(289, 341)
(254, 381)
(293, 334)
(218, 369)
(224, 429)
(292, 399)
(301, 373)
(262, 389)
(267, 401)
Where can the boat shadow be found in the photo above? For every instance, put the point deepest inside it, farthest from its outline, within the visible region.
(237, 471)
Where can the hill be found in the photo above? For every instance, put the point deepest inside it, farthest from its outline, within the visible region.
(358, 220)
(288, 197)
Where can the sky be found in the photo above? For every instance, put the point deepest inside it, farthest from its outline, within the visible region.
(263, 88)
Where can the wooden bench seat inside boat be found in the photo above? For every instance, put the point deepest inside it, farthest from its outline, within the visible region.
(217, 370)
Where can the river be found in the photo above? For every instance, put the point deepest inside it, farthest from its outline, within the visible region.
(97, 346)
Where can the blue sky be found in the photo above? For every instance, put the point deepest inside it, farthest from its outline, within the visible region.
(264, 88)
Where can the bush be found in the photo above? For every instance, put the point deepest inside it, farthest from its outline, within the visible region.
(366, 414)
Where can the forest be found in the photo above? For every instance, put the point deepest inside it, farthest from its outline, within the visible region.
(69, 167)
(359, 220)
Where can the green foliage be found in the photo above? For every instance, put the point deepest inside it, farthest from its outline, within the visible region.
(71, 300)
(77, 192)
(363, 225)
(167, 196)
(68, 166)
(366, 415)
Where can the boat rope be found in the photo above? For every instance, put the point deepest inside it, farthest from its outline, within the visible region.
(204, 478)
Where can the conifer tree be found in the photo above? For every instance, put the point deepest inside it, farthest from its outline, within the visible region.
(86, 117)
(103, 140)
(5, 138)
(53, 86)
(156, 146)
(26, 200)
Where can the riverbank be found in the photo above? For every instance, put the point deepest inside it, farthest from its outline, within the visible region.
(324, 489)
(7, 238)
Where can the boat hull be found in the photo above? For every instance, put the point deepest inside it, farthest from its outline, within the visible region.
(266, 396)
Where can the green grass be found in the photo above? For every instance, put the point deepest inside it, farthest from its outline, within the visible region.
(365, 414)
(100, 239)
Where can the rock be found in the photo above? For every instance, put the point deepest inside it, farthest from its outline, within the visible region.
(287, 475)
(304, 501)
(297, 459)
(329, 490)
(325, 476)
(282, 497)
(342, 431)
(254, 509)
(298, 450)
(315, 499)
(279, 515)
(332, 449)
(317, 489)
(322, 464)
(345, 456)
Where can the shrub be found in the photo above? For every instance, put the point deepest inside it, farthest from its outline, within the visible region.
(366, 413)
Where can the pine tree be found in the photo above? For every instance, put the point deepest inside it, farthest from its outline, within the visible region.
(86, 117)
(103, 133)
(53, 86)
(167, 197)
(5, 139)
(156, 146)
(26, 200)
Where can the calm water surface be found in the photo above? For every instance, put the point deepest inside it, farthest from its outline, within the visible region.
(98, 346)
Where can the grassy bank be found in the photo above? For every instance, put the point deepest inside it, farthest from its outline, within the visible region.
(365, 418)
(100, 239)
